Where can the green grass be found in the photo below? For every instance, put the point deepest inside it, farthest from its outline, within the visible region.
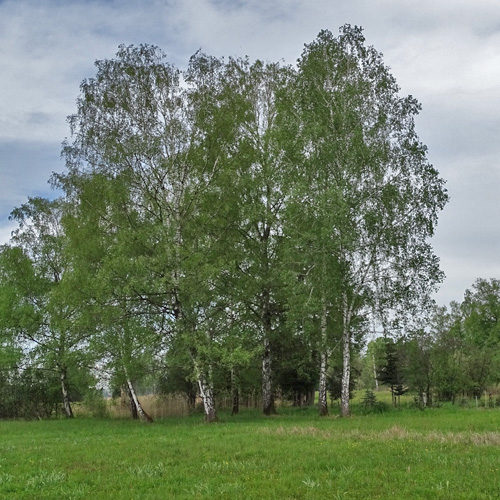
(436, 454)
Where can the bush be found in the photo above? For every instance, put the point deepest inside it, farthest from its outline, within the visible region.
(29, 394)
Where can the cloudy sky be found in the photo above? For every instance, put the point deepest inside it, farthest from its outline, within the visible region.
(445, 53)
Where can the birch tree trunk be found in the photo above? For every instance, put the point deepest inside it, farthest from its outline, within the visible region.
(346, 372)
(140, 410)
(346, 360)
(268, 405)
(323, 393)
(65, 394)
(131, 402)
(375, 372)
(323, 396)
(207, 396)
(267, 384)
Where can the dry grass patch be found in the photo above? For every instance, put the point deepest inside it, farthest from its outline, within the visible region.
(394, 433)
(155, 406)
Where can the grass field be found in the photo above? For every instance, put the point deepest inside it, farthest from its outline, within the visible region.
(445, 453)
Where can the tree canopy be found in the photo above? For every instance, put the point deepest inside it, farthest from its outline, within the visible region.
(228, 213)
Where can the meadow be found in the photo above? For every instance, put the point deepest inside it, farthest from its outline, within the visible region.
(441, 453)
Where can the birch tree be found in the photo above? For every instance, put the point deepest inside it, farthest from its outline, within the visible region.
(360, 133)
(45, 313)
(159, 139)
(261, 181)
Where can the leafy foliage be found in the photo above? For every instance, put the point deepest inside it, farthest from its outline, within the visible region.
(231, 215)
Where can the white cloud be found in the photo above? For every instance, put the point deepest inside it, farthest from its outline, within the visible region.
(5, 233)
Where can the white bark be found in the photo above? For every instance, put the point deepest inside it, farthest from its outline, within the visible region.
(267, 380)
(140, 410)
(346, 372)
(375, 372)
(207, 396)
(346, 360)
(64, 388)
(323, 397)
(206, 393)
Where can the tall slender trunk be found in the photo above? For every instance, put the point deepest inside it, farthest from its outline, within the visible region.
(131, 391)
(267, 384)
(203, 372)
(133, 408)
(323, 396)
(375, 372)
(346, 373)
(323, 393)
(268, 404)
(140, 410)
(176, 306)
(65, 393)
(235, 392)
(207, 396)
(346, 361)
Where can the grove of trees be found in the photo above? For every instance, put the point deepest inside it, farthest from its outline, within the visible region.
(235, 226)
